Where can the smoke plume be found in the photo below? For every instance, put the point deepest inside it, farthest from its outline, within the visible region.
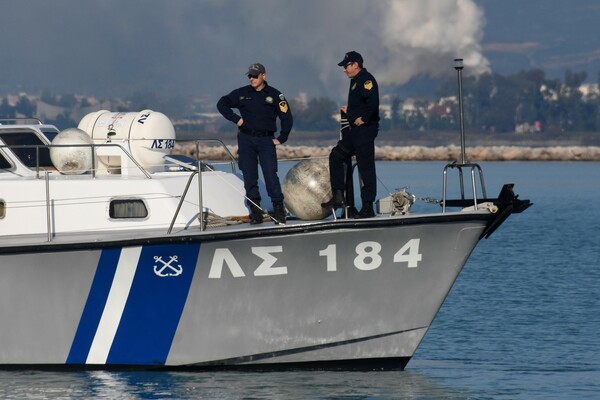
(116, 47)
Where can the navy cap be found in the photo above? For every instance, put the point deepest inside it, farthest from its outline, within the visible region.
(256, 69)
(351, 56)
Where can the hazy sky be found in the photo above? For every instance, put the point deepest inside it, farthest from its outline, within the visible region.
(117, 47)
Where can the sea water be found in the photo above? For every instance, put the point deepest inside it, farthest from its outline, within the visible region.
(521, 322)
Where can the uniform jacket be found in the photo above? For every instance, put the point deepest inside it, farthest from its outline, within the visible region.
(363, 98)
(259, 109)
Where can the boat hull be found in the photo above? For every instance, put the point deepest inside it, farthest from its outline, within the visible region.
(359, 294)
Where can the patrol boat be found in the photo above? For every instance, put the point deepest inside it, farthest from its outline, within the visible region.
(116, 252)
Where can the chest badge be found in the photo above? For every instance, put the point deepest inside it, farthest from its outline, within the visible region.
(353, 86)
(269, 99)
(368, 85)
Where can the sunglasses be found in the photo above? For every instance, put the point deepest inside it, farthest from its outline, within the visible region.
(250, 76)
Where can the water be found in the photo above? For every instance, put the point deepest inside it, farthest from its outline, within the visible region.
(521, 322)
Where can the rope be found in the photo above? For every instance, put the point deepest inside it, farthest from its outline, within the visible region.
(213, 220)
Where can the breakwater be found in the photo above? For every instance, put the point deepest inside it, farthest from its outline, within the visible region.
(423, 153)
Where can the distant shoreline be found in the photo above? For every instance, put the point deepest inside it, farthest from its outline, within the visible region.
(425, 153)
(429, 146)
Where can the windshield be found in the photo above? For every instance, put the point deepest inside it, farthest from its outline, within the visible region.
(50, 133)
(23, 145)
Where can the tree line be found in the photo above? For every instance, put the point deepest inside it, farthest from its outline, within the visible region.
(491, 103)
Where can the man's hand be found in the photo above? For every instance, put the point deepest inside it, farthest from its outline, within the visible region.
(358, 121)
(240, 122)
(276, 142)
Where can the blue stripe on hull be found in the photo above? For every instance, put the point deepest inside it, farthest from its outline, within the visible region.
(94, 306)
(154, 305)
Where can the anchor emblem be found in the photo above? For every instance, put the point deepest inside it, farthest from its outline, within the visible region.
(171, 270)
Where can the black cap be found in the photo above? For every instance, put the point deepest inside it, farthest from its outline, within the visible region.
(256, 69)
(351, 56)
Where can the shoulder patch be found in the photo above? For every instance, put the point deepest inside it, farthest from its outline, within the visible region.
(281, 97)
(283, 106)
(368, 85)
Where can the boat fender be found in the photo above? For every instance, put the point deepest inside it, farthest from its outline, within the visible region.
(72, 160)
(305, 187)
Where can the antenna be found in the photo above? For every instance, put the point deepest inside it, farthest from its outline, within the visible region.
(458, 66)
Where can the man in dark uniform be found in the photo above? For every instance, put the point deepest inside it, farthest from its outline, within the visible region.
(362, 112)
(259, 105)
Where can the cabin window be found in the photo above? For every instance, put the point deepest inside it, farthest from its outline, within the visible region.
(50, 133)
(2, 209)
(127, 208)
(25, 143)
(4, 163)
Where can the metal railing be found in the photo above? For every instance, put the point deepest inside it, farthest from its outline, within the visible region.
(20, 121)
(183, 196)
(199, 142)
(459, 167)
(91, 146)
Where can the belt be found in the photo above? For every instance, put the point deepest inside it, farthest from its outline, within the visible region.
(253, 132)
(367, 125)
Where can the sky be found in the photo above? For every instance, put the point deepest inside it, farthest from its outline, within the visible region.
(111, 48)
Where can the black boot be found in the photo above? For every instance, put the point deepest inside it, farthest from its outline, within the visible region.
(366, 211)
(279, 212)
(337, 200)
(256, 216)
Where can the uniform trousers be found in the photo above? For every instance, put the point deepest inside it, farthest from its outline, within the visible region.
(358, 141)
(253, 150)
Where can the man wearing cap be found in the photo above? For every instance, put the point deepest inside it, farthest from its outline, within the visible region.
(362, 112)
(259, 105)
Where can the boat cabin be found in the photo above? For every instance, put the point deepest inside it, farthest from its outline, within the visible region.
(127, 184)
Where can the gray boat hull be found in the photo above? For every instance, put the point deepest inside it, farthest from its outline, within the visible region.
(308, 295)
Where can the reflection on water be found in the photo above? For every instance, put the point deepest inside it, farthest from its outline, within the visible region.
(225, 385)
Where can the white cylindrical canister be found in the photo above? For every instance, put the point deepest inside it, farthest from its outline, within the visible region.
(148, 135)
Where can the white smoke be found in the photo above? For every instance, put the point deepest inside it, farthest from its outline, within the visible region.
(399, 39)
(423, 37)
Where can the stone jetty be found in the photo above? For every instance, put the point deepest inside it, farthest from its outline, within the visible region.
(423, 153)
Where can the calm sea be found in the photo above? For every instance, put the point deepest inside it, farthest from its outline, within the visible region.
(522, 321)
